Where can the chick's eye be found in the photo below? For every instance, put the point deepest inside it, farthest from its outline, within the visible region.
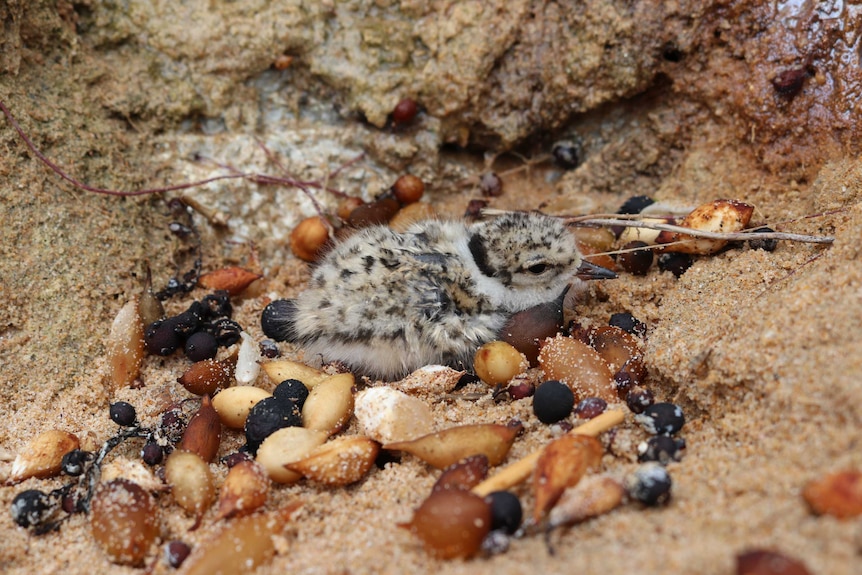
(537, 268)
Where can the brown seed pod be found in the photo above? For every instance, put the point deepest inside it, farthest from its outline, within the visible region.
(561, 464)
(282, 369)
(124, 520)
(597, 239)
(342, 461)
(410, 214)
(635, 260)
(43, 456)
(404, 111)
(388, 415)
(465, 474)
(309, 237)
(616, 346)
(498, 362)
(579, 366)
(208, 376)
(451, 523)
(234, 403)
(239, 546)
(444, 448)
(244, 490)
(191, 482)
(527, 329)
(596, 256)
(203, 433)
(232, 279)
(329, 405)
(594, 496)
(837, 494)
(766, 562)
(287, 445)
(718, 216)
(379, 211)
(125, 345)
(408, 189)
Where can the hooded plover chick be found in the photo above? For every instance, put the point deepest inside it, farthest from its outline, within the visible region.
(385, 303)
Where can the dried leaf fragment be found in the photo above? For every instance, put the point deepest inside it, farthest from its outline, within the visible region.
(231, 279)
(561, 464)
(444, 448)
(43, 456)
(342, 461)
(837, 494)
(125, 345)
(240, 546)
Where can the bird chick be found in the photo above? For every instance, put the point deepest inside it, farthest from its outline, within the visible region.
(385, 303)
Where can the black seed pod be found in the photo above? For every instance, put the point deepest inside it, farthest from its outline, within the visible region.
(567, 154)
(269, 349)
(31, 508)
(638, 399)
(553, 401)
(628, 322)
(152, 454)
(172, 425)
(73, 463)
(160, 337)
(201, 346)
(123, 413)
(675, 263)
(268, 416)
(292, 390)
(506, 511)
(659, 418)
(637, 262)
(217, 304)
(185, 324)
(176, 552)
(226, 331)
(635, 205)
(661, 448)
(767, 245)
(650, 484)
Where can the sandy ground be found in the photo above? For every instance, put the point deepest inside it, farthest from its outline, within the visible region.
(760, 349)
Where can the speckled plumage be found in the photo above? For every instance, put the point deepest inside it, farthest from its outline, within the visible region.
(385, 303)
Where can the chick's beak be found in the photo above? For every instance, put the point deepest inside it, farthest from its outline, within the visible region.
(588, 271)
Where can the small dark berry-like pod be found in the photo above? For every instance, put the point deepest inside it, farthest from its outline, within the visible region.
(31, 508)
(635, 205)
(765, 244)
(638, 261)
(553, 401)
(278, 320)
(662, 418)
(675, 263)
(661, 448)
(567, 154)
(123, 413)
(638, 399)
(590, 407)
(160, 337)
(200, 346)
(506, 511)
(650, 484)
(405, 111)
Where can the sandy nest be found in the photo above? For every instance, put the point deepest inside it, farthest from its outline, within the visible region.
(684, 103)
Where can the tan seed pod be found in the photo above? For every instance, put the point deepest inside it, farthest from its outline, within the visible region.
(451, 523)
(244, 490)
(444, 448)
(208, 376)
(346, 206)
(329, 405)
(309, 237)
(465, 474)
(234, 403)
(124, 520)
(149, 306)
(282, 369)
(240, 545)
(579, 366)
(125, 345)
(718, 216)
(837, 494)
(203, 433)
(287, 445)
(342, 461)
(408, 189)
(410, 214)
(131, 470)
(615, 345)
(561, 464)
(43, 456)
(498, 362)
(232, 279)
(648, 236)
(191, 482)
(430, 380)
(594, 496)
(388, 415)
